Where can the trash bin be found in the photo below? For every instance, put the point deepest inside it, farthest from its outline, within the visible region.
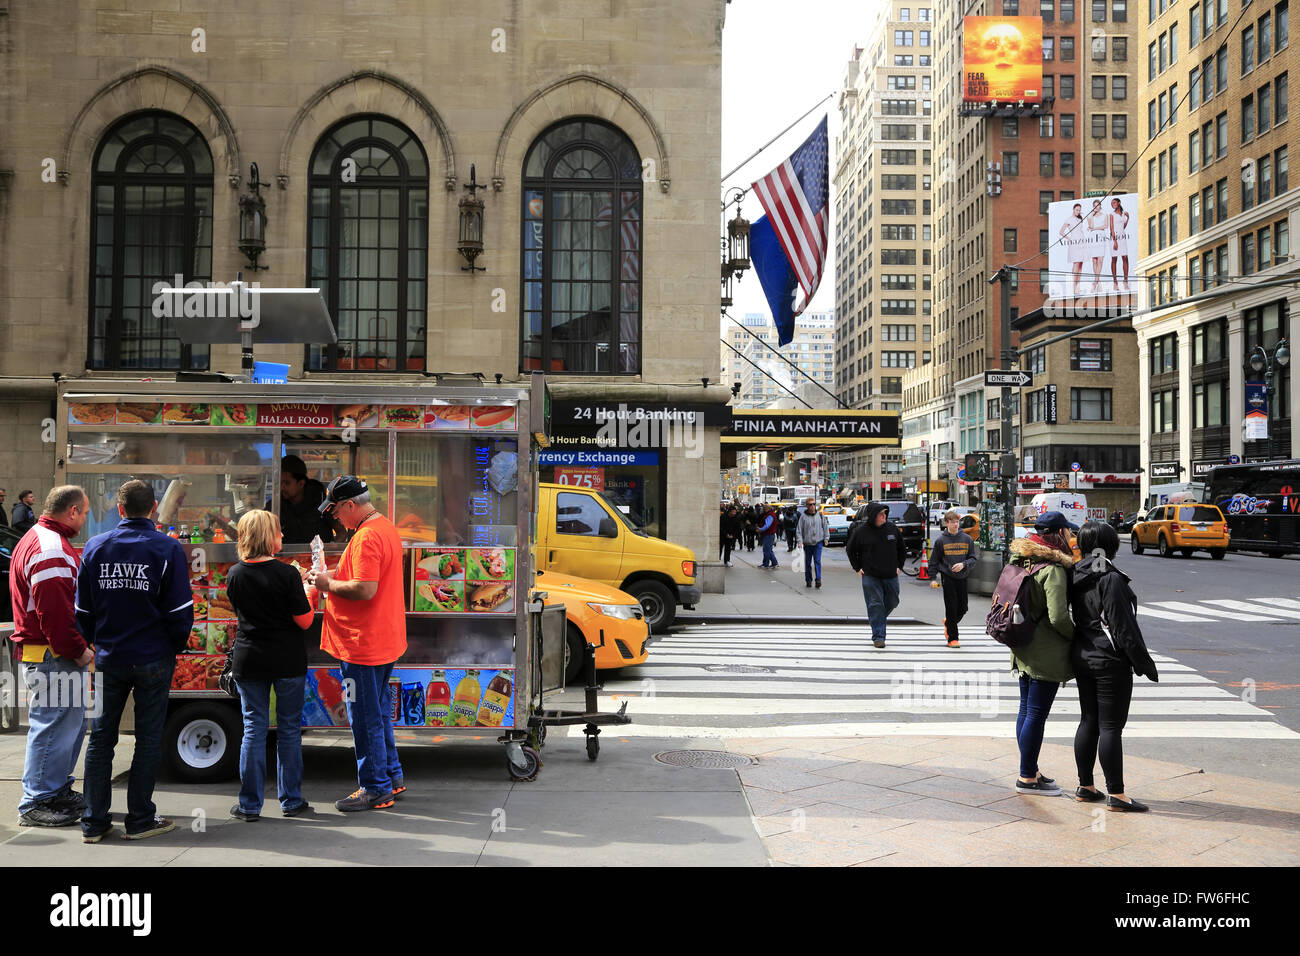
(984, 577)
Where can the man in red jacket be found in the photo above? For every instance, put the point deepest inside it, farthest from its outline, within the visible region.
(42, 584)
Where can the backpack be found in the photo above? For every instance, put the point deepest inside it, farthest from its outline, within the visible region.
(1015, 589)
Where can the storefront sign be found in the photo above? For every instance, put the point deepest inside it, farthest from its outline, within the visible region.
(1165, 469)
(597, 413)
(597, 458)
(812, 427)
(1049, 416)
(296, 415)
(1201, 467)
(593, 478)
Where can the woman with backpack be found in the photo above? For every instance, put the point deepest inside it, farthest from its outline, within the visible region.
(1107, 650)
(1043, 663)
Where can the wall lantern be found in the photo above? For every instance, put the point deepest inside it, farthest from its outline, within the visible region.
(252, 219)
(738, 241)
(470, 243)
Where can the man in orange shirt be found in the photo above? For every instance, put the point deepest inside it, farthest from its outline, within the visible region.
(365, 628)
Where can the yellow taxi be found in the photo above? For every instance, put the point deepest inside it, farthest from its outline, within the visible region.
(833, 508)
(597, 614)
(1184, 528)
(970, 524)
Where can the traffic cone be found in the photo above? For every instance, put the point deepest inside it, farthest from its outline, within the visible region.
(924, 573)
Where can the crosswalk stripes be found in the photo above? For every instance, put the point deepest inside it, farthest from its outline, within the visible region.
(773, 680)
(1214, 611)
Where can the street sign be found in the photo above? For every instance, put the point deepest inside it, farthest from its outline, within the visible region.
(1050, 412)
(1234, 459)
(1075, 466)
(1016, 379)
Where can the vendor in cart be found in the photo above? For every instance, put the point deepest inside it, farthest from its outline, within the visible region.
(300, 501)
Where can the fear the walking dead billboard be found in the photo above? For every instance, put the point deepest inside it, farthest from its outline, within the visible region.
(1093, 246)
(1003, 59)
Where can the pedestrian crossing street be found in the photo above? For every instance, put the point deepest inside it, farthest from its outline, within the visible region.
(1266, 610)
(773, 680)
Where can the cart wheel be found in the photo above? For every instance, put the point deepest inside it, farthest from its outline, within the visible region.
(529, 772)
(593, 748)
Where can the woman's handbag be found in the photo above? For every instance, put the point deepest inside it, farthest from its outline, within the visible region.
(227, 679)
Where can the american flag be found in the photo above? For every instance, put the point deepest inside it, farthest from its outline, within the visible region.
(796, 200)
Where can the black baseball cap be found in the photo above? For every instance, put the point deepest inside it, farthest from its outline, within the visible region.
(341, 489)
(1053, 521)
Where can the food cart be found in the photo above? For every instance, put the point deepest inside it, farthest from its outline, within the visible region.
(449, 465)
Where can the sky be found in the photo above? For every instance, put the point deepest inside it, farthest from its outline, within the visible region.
(775, 66)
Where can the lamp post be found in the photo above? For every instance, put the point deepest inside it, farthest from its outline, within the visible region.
(1266, 364)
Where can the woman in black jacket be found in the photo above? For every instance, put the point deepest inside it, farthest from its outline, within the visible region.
(1107, 651)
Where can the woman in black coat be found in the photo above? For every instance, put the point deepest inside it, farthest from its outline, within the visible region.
(1106, 652)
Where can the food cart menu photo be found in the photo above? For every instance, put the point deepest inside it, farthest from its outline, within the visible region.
(479, 580)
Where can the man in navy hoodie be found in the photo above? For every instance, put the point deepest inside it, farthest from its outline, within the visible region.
(135, 606)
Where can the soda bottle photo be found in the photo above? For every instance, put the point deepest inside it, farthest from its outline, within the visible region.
(437, 701)
(413, 704)
(464, 707)
(496, 701)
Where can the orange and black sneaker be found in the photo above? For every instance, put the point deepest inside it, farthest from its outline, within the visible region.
(954, 643)
(399, 786)
(363, 799)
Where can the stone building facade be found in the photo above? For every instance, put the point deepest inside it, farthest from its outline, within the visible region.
(100, 102)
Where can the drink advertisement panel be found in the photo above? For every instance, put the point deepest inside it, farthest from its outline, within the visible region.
(1003, 59)
(422, 697)
(1092, 247)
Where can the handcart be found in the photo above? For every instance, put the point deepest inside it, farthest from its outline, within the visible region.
(547, 623)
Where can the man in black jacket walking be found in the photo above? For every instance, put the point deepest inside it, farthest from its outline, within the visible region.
(876, 551)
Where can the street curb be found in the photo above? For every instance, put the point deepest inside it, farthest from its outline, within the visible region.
(785, 619)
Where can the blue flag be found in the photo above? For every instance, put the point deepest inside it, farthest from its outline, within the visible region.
(775, 275)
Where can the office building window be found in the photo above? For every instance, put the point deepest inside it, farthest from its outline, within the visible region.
(1009, 240)
(1067, 125)
(1067, 86)
(1090, 355)
(1090, 404)
(1067, 164)
(1098, 165)
(1047, 164)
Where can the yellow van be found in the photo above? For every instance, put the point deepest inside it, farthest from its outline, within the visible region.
(581, 532)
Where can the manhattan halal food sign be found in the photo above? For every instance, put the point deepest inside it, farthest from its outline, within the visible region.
(208, 300)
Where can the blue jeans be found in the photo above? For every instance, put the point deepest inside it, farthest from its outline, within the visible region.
(881, 595)
(149, 685)
(812, 555)
(255, 701)
(1036, 698)
(372, 726)
(56, 709)
(769, 556)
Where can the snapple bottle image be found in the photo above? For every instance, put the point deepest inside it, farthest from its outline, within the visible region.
(496, 700)
(464, 708)
(437, 701)
(331, 695)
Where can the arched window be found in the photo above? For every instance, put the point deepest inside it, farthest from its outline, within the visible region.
(581, 245)
(152, 189)
(369, 240)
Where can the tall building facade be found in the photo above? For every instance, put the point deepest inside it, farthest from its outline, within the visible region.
(769, 373)
(126, 166)
(1218, 213)
(884, 194)
(997, 170)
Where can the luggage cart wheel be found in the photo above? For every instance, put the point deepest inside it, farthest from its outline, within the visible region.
(522, 762)
(593, 747)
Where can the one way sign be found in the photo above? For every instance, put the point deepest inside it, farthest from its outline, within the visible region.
(1017, 379)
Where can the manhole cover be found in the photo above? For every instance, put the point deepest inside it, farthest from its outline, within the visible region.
(738, 669)
(705, 759)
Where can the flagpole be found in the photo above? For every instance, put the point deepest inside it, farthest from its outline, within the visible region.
(776, 137)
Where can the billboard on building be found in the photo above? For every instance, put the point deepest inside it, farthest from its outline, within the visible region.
(1092, 246)
(1003, 59)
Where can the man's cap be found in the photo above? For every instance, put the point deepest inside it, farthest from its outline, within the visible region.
(341, 489)
(1053, 521)
(292, 465)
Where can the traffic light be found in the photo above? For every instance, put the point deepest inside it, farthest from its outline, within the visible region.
(977, 467)
(789, 456)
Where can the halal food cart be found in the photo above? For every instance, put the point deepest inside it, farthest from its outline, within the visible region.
(449, 465)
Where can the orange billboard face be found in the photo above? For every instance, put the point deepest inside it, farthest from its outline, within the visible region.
(1003, 59)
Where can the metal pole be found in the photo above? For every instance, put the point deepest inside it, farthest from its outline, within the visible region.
(1009, 482)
